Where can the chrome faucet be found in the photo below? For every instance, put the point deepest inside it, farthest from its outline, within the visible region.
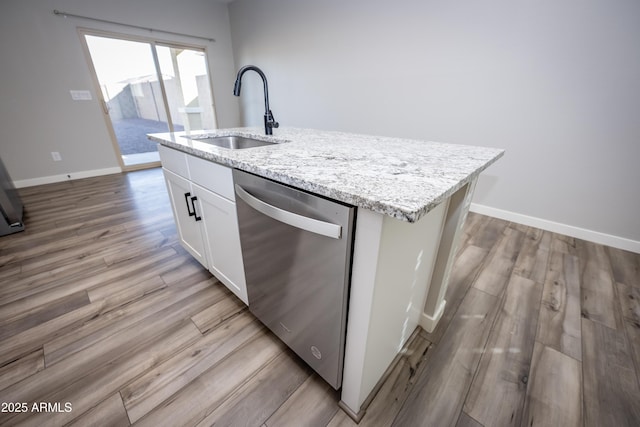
(269, 121)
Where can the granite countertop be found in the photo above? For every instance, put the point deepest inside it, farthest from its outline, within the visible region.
(401, 178)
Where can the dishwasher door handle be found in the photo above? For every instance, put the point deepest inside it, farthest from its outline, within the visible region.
(299, 221)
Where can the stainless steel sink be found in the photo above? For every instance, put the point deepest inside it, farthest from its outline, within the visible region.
(234, 142)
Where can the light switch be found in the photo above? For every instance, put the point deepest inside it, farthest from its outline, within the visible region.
(80, 95)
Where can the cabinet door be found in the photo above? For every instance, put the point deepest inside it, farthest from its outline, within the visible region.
(223, 241)
(189, 226)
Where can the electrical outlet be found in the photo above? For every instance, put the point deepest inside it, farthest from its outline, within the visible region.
(56, 156)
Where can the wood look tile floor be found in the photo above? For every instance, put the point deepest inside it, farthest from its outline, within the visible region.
(106, 319)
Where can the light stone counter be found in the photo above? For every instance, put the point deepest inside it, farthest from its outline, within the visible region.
(412, 198)
(401, 178)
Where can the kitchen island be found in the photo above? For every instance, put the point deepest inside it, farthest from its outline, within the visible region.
(412, 198)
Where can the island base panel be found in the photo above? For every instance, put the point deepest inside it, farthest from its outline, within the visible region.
(395, 261)
(392, 267)
(454, 223)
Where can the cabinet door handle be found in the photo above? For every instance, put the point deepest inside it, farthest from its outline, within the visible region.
(186, 199)
(193, 205)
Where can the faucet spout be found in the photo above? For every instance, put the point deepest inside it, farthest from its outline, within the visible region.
(269, 121)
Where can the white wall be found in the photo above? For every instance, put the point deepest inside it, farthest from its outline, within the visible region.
(555, 83)
(42, 59)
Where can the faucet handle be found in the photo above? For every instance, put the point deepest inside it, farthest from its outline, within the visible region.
(271, 121)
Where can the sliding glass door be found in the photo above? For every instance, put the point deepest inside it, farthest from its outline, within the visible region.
(187, 86)
(149, 87)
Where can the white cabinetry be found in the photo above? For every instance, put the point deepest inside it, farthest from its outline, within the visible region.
(223, 241)
(203, 203)
(185, 204)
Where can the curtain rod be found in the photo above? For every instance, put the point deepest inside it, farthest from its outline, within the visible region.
(71, 15)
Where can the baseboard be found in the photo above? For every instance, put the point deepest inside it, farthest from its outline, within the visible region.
(556, 227)
(65, 177)
(429, 323)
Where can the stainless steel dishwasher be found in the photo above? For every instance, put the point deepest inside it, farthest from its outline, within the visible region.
(296, 249)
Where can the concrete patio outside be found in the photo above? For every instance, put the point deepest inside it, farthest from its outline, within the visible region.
(132, 134)
(135, 147)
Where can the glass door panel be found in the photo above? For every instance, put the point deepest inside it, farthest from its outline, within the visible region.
(186, 82)
(132, 94)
